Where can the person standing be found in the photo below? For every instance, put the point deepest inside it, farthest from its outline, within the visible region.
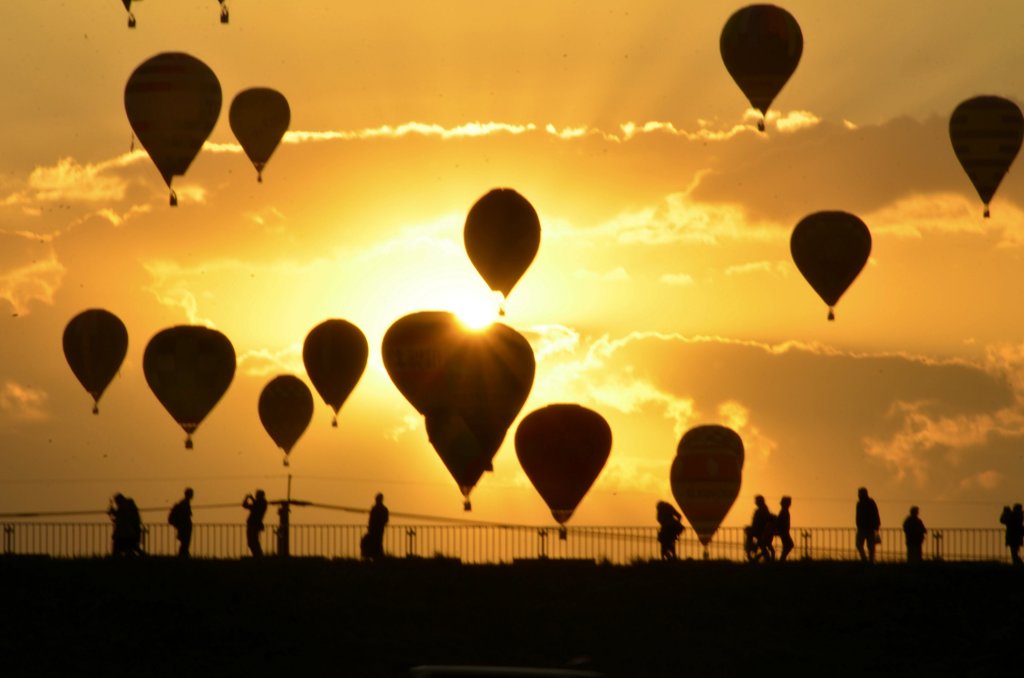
(868, 523)
(180, 518)
(373, 540)
(127, 538)
(782, 527)
(257, 506)
(1014, 522)
(914, 532)
(670, 523)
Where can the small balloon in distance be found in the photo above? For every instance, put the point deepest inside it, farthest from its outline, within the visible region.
(706, 475)
(830, 250)
(502, 237)
(761, 46)
(285, 408)
(95, 343)
(189, 368)
(259, 117)
(562, 449)
(335, 354)
(986, 133)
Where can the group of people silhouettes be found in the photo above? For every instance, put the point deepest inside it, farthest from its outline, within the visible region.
(759, 536)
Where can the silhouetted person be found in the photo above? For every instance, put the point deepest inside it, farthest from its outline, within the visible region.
(254, 524)
(761, 532)
(127, 538)
(373, 540)
(868, 523)
(914, 532)
(670, 526)
(180, 518)
(782, 527)
(1014, 522)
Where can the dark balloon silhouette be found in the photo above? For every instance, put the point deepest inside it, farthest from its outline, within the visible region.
(830, 249)
(95, 343)
(259, 118)
(502, 236)
(128, 8)
(562, 449)
(286, 408)
(761, 47)
(986, 133)
(706, 476)
(335, 353)
(172, 101)
(469, 386)
(189, 368)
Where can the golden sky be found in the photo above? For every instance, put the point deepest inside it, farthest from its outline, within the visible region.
(663, 295)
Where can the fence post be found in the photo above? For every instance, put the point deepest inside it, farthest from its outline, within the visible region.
(805, 544)
(937, 545)
(543, 534)
(410, 542)
(8, 539)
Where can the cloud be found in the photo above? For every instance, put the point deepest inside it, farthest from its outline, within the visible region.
(678, 279)
(23, 403)
(37, 281)
(616, 275)
(779, 268)
(266, 362)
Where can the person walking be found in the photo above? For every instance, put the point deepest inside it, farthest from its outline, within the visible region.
(257, 507)
(127, 537)
(670, 526)
(868, 524)
(782, 527)
(914, 532)
(373, 541)
(180, 518)
(1014, 522)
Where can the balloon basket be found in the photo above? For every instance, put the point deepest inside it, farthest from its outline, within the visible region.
(466, 506)
(188, 443)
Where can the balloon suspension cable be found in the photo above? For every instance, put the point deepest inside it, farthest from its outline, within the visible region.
(259, 176)
(131, 147)
(831, 313)
(188, 441)
(987, 213)
(174, 198)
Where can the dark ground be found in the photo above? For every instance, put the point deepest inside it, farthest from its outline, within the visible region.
(162, 617)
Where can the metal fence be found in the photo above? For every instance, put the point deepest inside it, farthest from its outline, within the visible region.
(491, 543)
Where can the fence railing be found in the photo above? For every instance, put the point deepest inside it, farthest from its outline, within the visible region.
(492, 543)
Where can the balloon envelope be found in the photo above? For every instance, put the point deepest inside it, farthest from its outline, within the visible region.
(986, 133)
(502, 236)
(189, 368)
(259, 118)
(830, 249)
(172, 101)
(761, 47)
(335, 354)
(562, 449)
(469, 386)
(706, 475)
(95, 343)
(285, 409)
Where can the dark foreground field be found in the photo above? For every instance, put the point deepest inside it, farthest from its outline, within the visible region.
(304, 617)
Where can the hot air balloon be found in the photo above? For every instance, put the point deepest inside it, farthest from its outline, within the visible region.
(502, 236)
(469, 386)
(830, 249)
(128, 8)
(562, 449)
(172, 101)
(335, 353)
(259, 117)
(706, 476)
(986, 133)
(189, 368)
(761, 47)
(95, 343)
(285, 408)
